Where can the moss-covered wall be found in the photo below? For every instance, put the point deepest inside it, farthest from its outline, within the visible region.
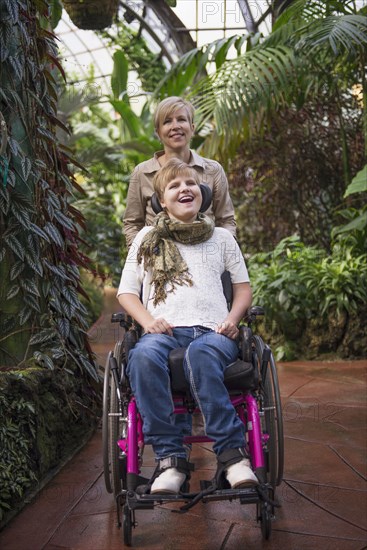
(44, 417)
(339, 336)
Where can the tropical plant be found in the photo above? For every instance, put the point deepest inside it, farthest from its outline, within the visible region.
(290, 178)
(41, 312)
(355, 231)
(299, 285)
(109, 141)
(279, 281)
(148, 66)
(315, 45)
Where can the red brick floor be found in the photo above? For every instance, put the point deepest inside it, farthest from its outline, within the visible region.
(323, 495)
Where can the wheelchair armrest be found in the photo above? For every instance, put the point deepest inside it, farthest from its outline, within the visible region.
(245, 343)
(126, 321)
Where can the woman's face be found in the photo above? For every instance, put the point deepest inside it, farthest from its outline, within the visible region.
(182, 199)
(176, 130)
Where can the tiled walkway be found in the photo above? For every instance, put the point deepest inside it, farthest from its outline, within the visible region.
(323, 495)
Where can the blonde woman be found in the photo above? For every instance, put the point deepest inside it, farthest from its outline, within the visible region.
(174, 125)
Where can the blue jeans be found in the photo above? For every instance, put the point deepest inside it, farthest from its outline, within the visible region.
(207, 356)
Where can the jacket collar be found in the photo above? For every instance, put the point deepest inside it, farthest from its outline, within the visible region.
(152, 165)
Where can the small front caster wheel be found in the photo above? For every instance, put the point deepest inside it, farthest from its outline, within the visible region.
(127, 525)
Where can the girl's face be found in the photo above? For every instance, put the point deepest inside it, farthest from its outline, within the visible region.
(182, 199)
(176, 130)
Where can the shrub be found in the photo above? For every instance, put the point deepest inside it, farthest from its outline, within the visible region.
(301, 286)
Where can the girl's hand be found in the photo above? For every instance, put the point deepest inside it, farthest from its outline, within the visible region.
(158, 326)
(229, 329)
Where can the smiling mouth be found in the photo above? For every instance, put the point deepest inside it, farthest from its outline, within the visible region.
(185, 199)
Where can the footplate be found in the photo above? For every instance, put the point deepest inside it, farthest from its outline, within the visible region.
(147, 501)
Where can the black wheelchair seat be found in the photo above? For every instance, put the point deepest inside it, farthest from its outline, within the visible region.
(238, 376)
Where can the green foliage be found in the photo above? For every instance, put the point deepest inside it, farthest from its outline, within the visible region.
(290, 177)
(193, 65)
(93, 287)
(119, 74)
(17, 430)
(279, 280)
(109, 147)
(148, 65)
(315, 46)
(297, 284)
(358, 184)
(56, 12)
(44, 416)
(41, 311)
(351, 236)
(245, 86)
(103, 240)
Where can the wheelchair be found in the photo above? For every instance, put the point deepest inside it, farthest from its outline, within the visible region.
(252, 383)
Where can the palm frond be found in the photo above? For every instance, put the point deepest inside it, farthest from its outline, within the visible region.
(339, 33)
(195, 62)
(244, 87)
(308, 25)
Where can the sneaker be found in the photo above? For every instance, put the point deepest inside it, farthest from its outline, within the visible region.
(240, 475)
(169, 481)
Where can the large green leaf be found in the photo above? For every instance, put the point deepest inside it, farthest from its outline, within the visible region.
(119, 75)
(358, 184)
(194, 64)
(56, 12)
(359, 224)
(128, 116)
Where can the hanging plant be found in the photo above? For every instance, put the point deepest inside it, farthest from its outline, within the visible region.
(91, 14)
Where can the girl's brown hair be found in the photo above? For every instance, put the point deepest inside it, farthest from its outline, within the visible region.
(169, 171)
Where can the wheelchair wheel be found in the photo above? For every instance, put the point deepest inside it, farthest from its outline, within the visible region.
(105, 425)
(127, 525)
(114, 463)
(272, 419)
(118, 461)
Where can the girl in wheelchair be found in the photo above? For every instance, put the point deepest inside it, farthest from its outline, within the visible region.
(171, 285)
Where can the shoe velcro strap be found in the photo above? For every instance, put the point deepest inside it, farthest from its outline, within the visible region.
(181, 464)
(231, 456)
(224, 460)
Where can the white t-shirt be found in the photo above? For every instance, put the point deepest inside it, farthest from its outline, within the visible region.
(203, 303)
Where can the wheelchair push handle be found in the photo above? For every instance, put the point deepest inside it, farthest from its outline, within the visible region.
(253, 312)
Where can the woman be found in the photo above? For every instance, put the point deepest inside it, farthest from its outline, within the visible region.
(175, 127)
(178, 264)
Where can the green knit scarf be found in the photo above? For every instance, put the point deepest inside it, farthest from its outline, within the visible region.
(161, 255)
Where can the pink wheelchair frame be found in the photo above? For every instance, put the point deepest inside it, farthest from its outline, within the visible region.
(259, 408)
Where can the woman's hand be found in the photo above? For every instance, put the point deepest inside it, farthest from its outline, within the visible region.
(158, 326)
(228, 328)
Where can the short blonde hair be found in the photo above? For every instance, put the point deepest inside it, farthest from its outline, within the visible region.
(169, 171)
(168, 106)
